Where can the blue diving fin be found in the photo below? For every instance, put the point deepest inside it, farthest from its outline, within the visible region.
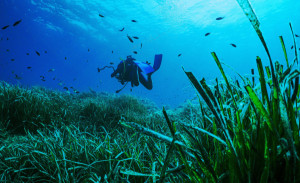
(148, 69)
(157, 61)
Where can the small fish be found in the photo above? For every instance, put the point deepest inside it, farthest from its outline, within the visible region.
(42, 78)
(71, 87)
(122, 29)
(141, 45)
(297, 35)
(76, 91)
(112, 51)
(88, 50)
(129, 38)
(66, 88)
(65, 58)
(292, 47)
(1, 38)
(12, 59)
(29, 67)
(220, 18)
(7, 50)
(233, 45)
(5, 27)
(17, 77)
(98, 69)
(46, 52)
(135, 37)
(101, 15)
(54, 78)
(27, 53)
(179, 54)
(111, 63)
(51, 70)
(37, 53)
(17, 22)
(7, 39)
(207, 34)
(135, 52)
(74, 79)
(133, 20)
(60, 84)
(131, 89)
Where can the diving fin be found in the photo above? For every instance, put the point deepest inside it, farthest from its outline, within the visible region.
(157, 61)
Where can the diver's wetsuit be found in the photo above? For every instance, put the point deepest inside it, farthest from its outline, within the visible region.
(136, 72)
(128, 71)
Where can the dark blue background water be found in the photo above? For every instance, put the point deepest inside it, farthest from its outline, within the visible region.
(68, 28)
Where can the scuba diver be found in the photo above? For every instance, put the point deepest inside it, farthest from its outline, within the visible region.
(136, 72)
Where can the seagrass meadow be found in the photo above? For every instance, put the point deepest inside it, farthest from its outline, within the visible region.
(235, 130)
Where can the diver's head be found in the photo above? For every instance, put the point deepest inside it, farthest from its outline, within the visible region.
(129, 58)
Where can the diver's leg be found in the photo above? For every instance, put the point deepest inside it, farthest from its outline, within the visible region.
(146, 80)
(134, 76)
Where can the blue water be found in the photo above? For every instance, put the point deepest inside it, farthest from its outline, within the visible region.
(69, 28)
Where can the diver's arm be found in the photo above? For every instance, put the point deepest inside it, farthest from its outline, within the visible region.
(118, 70)
(114, 73)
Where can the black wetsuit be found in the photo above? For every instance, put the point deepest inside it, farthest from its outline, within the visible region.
(129, 71)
